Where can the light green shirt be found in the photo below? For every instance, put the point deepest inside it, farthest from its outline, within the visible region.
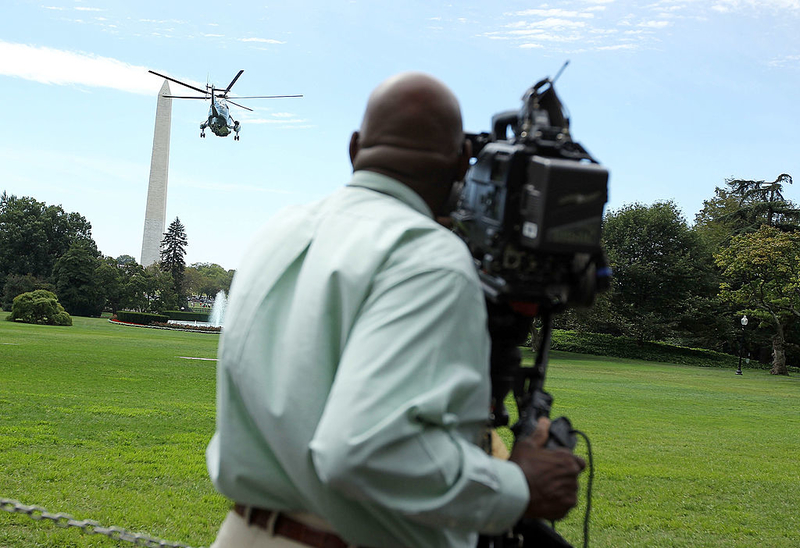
(353, 378)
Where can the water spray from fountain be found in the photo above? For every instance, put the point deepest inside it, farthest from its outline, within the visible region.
(218, 310)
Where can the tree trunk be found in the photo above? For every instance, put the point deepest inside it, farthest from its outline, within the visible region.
(779, 353)
(536, 336)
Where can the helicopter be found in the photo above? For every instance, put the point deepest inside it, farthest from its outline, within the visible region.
(219, 120)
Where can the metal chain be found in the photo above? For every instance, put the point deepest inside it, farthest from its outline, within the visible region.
(88, 526)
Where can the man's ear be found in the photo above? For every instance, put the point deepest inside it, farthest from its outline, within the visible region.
(463, 159)
(354, 146)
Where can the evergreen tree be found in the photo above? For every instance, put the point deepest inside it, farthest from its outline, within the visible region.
(173, 251)
(744, 207)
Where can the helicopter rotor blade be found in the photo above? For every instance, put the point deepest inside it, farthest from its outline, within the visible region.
(227, 89)
(240, 106)
(177, 81)
(265, 96)
(186, 97)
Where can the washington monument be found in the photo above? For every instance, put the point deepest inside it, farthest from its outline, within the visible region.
(155, 216)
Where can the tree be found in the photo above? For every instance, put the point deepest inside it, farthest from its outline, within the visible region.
(660, 268)
(173, 250)
(148, 289)
(762, 275)
(40, 306)
(135, 289)
(17, 284)
(743, 207)
(110, 277)
(207, 279)
(161, 290)
(123, 260)
(77, 284)
(34, 235)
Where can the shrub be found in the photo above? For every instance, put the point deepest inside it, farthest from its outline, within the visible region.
(40, 307)
(141, 318)
(187, 316)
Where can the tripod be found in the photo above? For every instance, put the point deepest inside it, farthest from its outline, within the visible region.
(508, 329)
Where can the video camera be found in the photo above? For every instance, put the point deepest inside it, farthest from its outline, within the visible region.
(530, 209)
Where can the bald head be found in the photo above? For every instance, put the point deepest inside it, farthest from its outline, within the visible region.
(412, 132)
(415, 111)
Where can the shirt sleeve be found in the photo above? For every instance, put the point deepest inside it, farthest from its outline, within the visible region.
(410, 397)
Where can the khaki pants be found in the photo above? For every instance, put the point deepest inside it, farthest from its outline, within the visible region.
(235, 533)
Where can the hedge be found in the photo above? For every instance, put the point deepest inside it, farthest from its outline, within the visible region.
(141, 318)
(620, 347)
(187, 316)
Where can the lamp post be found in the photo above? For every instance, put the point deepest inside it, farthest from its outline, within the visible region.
(741, 345)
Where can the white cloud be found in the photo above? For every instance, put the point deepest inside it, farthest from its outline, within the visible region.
(595, 25)
(654, 24)
(551, 23)
(787, 61)
(162, 21)
(213, 35)
(616, 47)
(82, 8)
(61, 67)
(553, 12)
(261, 40)
(283, 121)
(727, 6)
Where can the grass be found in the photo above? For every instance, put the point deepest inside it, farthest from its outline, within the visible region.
(107, 422)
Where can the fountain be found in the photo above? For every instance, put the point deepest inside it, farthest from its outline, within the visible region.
(218, 310)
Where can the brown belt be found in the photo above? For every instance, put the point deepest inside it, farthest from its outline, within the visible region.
(290, 528)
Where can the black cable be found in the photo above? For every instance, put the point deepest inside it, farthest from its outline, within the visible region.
(588, 488)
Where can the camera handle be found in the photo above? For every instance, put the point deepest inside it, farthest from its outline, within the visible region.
(508, 329)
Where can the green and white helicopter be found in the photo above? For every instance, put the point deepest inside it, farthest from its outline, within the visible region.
(219, 120)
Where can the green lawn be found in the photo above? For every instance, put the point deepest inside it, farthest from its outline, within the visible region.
(109, 423)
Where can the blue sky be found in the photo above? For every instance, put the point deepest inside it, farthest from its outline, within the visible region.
(673, 96)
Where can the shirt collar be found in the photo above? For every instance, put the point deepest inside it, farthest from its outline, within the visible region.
(392, 187)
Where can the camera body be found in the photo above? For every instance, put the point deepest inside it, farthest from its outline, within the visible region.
(530, 208)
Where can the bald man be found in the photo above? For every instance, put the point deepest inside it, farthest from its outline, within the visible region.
(353, 379)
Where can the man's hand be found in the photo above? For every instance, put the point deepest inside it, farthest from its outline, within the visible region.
(552, 474)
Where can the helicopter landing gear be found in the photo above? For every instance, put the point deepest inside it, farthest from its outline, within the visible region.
(235, 137)
(203, 134)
